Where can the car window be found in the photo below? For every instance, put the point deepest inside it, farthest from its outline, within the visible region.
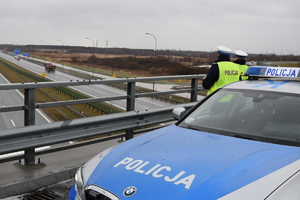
(250, 113)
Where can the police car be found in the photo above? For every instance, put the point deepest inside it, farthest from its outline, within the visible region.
(241, 142)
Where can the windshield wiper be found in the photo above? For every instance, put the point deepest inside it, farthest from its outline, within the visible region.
(193, 128)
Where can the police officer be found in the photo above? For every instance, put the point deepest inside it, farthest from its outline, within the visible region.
(240, 59)
(222, 71)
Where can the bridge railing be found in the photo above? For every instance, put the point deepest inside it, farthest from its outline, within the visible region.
(32, 136)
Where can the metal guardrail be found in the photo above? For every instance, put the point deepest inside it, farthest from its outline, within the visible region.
(57, 132)
(31, 136)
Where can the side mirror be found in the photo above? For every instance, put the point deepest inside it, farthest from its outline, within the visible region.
(178, 112)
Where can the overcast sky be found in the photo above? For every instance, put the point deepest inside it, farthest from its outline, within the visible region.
(256, 26)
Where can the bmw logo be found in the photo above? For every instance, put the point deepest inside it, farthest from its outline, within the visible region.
(129, 191)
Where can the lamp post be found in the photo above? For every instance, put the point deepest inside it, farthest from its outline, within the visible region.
(31, 44)
(273, 56)
(262, 55)
(154, 55)
(249, 52)
(288, 54)
(93, 53)
(44, 44)
(62, 66)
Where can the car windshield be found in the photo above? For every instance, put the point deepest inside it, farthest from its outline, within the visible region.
(259, 115)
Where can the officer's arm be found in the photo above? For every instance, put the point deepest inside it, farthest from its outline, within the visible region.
(211, 77)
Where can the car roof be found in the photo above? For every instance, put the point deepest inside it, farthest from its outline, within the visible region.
(267, 85)
(264, 81)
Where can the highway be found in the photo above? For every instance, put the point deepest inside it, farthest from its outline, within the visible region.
(91, 90)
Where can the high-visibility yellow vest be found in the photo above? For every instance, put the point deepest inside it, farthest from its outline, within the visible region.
(243, 69)
(228, 72)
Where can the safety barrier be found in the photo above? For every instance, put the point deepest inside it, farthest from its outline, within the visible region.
(31, 136)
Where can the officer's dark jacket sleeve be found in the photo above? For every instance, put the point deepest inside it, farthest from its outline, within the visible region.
(240, 61)
(211, 76)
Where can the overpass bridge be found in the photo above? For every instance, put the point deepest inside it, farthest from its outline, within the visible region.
(26, 173)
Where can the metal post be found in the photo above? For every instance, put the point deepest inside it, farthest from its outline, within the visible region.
(194, 87)
(29, 119)
(93, 53)
(44, 44)
(131, 93)
(62, 65)
(154, 56)
(130, 105)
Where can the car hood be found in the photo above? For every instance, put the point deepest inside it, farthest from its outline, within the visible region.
(179, 163)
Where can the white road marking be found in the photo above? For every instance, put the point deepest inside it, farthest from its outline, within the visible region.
(12, 121)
